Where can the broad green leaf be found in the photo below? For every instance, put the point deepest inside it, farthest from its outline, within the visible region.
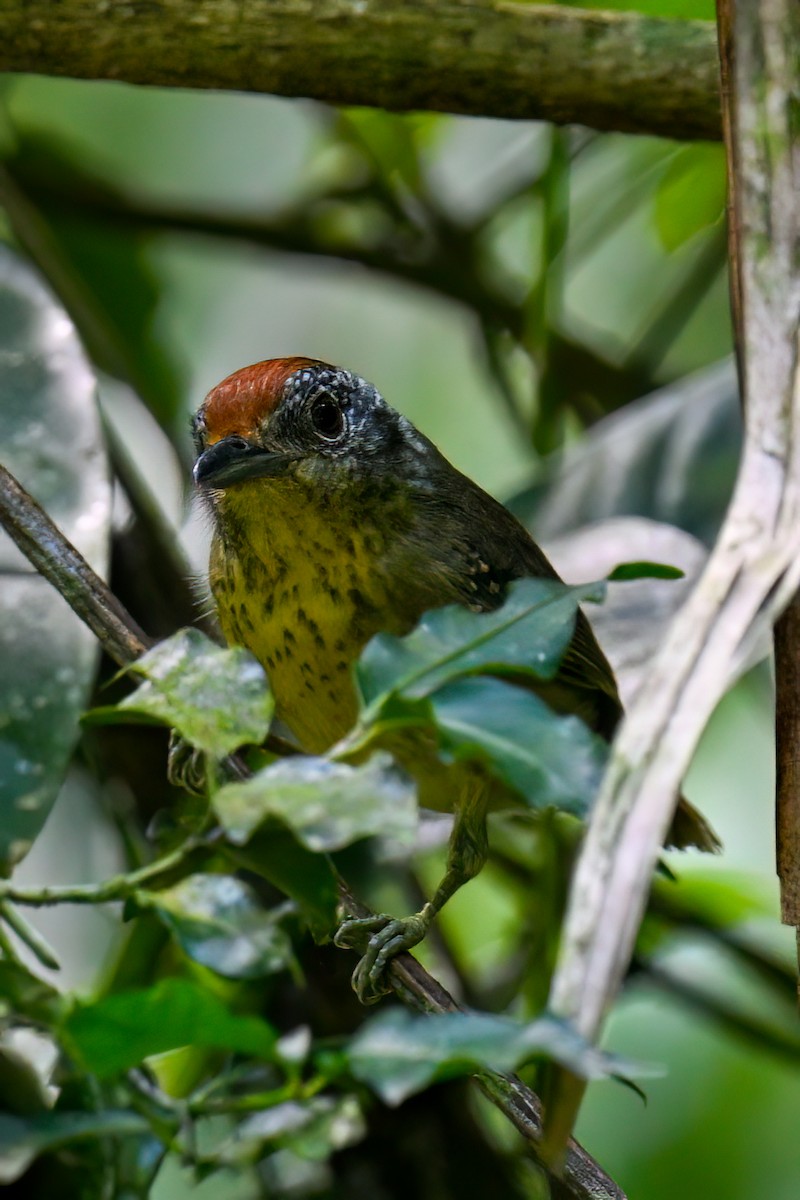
(217, 699)
(314, 1129)
(22, 1139)
(274, 853)
(550, 760)
(644, 570)
(327, 805)
(714, 899)
(119, 1031)
(51, 442)
(399, 1053)
(219, 922)
(529, 633)
(691, 194)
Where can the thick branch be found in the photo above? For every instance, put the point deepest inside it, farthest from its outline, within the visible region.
(61, 564)
(753, 570)
(492, 58)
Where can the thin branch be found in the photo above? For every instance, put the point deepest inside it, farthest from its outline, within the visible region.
(117, 887)
(753, 570)
(493, 58)
(29, 936)
(61, 564)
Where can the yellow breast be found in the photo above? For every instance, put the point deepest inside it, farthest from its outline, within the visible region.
(303, 596)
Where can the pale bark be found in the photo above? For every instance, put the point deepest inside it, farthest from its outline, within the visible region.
(754, 568)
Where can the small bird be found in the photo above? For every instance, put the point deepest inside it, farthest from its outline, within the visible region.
(335, 519)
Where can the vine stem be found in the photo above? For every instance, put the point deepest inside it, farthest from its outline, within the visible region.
(117, 887)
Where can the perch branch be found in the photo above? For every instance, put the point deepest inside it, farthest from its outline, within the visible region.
(493, 58)
(753, 570)
(61, 564)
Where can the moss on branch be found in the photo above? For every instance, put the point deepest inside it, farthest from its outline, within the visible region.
(497, 58)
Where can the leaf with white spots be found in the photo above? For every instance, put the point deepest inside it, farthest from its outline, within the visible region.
(51, 441)
(327, 805)
(219, 922)
(217, 699)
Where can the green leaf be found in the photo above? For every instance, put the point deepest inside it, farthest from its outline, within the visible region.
(24, 1139)
(275, 854)
(52, 443)
(550, 760)
(644, 570)
(529, 633)
(219, 922)
(327, 805)
(399, 1053)
(691, 194)
(217, 699)
(314, 1129)
(119, 1031)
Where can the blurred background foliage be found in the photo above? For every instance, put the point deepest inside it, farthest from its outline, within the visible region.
(550, 306)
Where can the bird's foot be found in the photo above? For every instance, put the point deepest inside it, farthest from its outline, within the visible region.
(387, 936)
(186, 766)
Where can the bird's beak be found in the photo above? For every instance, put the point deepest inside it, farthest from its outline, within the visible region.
(234, 459)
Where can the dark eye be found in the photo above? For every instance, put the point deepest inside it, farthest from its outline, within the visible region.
(327, 418)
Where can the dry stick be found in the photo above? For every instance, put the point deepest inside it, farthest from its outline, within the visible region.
(786, 634)
(787, 781)
(494, 58)
(90, 598)
(751, 575)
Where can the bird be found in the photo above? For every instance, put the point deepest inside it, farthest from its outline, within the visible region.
(334, 518)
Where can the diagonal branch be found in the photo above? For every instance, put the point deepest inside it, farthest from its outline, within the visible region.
(493, 58)
(65, 568)
(754, 568)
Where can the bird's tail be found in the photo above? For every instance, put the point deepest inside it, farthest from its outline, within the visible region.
(690, 828)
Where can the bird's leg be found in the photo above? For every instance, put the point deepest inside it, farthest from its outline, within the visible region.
(466, 854)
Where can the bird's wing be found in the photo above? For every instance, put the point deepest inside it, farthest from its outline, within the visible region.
(498, 549)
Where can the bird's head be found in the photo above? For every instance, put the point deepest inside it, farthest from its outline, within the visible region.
(306, 421)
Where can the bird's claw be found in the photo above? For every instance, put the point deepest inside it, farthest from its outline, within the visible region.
(388, 936)
(186, 766)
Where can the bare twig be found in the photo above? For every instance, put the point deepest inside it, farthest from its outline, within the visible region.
(491, 58)
(752, 573)
(61, 564)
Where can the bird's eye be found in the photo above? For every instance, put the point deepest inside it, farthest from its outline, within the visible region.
(327, 418)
